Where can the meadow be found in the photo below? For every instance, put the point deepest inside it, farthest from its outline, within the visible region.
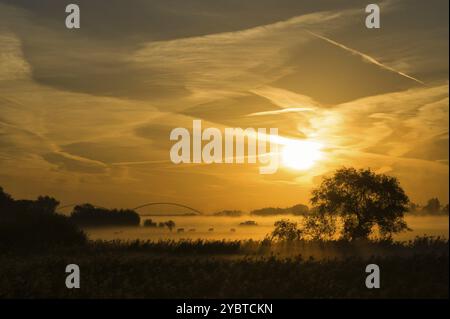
(230, 269)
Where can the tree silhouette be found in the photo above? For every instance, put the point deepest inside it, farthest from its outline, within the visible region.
(47, 204)
(34, 224)
(433, 206)
(5, 198)
(170, 224)
(362, 199)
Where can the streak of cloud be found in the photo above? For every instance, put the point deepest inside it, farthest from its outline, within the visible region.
(365, 57)
(287, 110)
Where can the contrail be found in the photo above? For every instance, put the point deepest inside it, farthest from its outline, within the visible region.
(365, 57)
(287, 110)
(140, 162)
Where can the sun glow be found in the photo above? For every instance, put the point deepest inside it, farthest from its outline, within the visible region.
(301, 155)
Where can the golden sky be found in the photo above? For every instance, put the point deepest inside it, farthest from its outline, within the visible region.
(85, 115)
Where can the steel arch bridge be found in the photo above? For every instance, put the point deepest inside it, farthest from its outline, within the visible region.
(145, 205)
(168, 203)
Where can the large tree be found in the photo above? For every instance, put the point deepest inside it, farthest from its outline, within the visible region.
(361, 199)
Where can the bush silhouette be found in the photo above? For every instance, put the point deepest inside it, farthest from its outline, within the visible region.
(150, 223)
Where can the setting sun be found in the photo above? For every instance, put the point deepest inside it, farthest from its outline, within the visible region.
(301, 155)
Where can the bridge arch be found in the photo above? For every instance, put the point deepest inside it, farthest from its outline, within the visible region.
(168, 203)
(142, 206)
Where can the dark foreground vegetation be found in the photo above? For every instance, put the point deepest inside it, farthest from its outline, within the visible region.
(220, 269)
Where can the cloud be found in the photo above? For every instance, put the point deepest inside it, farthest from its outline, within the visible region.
(286, 110)
(12, 63)
(401, 126)
(232, 61)
(365, 57)
(73, 163)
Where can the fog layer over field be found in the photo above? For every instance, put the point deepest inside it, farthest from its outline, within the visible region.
(218, 228)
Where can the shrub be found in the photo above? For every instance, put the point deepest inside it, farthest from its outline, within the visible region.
(249, 223)
(150, 223)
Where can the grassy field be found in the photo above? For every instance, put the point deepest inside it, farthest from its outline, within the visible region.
(230, 269)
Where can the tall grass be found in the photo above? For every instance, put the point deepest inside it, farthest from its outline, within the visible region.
(229, 269)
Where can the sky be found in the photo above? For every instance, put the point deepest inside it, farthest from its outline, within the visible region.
(86, 114)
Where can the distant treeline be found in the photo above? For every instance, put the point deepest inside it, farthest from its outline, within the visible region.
(299, 210)
(89, 215)
(230, 213)
(432, 207)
